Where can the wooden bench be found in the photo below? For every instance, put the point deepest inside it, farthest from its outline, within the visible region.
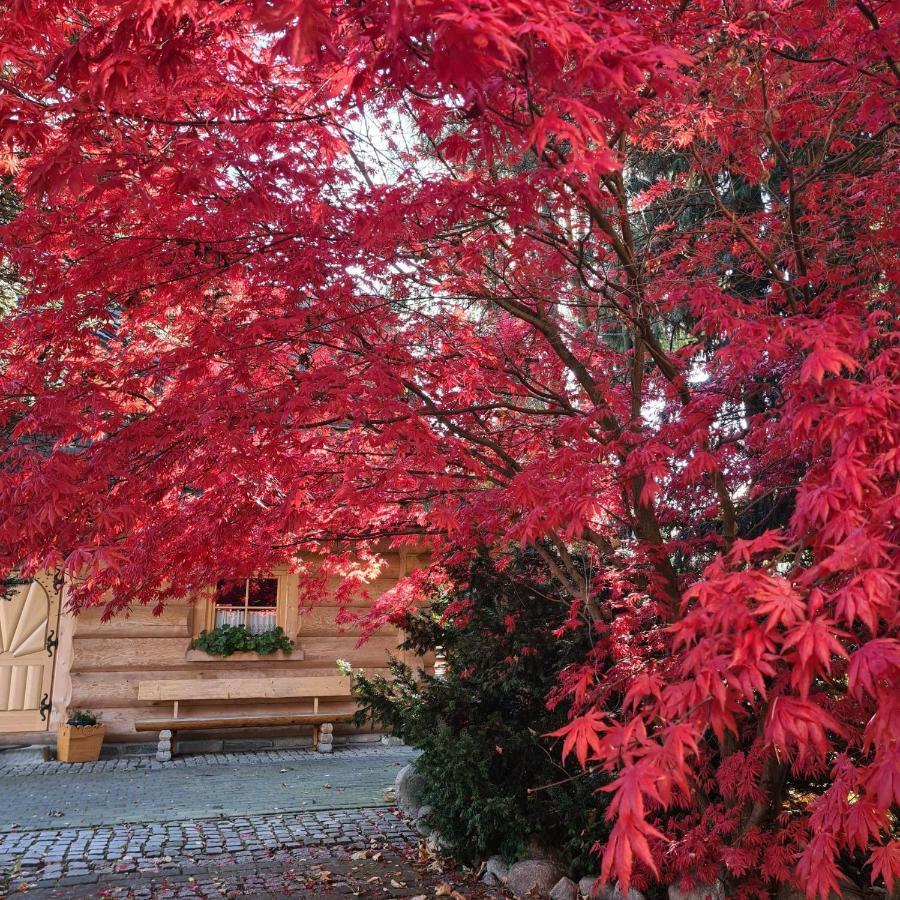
(310, 688)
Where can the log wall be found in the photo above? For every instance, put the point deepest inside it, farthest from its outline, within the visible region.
(104, 662)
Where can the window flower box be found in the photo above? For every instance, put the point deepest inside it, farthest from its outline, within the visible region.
(228, 641)
(244, 657)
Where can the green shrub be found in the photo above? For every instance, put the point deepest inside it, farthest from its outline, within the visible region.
(227, 639)
(494, 781)
(82, 718)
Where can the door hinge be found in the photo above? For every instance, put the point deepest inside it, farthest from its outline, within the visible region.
(52, 643)
(8, 586)
(44, 708)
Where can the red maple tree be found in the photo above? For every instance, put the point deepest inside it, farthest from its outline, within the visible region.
(614, 280)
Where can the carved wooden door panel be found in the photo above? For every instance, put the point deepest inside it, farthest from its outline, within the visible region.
(29, 621)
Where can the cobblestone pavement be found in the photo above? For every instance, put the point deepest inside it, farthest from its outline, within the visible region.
(50, 795)
(250, 758)
(217, 826)
(366, 852)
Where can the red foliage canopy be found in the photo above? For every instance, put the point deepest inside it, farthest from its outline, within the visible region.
(610, 279)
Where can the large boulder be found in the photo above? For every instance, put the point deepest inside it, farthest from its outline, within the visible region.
(533, 876)
(564, 889)
(437, 843)
(714, 891)
(607, 892)
(409, 786)
(616, 893)
(848, 892)
(497, 867)
(423, 826)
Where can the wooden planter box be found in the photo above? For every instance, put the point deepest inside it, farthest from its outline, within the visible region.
(79, 743)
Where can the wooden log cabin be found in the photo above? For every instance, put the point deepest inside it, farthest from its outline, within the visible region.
(52, 661)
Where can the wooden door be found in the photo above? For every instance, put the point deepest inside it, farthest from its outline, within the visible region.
(29, 622)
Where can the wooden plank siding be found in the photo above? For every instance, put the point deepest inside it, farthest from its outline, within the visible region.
(109, 659)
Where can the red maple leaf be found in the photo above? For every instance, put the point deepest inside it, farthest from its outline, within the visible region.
(582, 734)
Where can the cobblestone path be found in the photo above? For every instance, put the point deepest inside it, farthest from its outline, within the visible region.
(122, 847)
(366, 852)
(51, 795)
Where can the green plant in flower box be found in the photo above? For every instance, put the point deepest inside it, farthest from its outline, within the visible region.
(224, 640)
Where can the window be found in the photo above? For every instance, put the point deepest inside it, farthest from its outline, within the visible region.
(252, 602)
(262, 603)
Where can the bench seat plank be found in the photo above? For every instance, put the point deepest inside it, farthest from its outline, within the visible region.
(199, 723)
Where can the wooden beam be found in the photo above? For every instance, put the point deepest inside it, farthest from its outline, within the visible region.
(244, 688)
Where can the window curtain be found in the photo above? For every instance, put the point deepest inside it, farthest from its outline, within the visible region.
(258, 620)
